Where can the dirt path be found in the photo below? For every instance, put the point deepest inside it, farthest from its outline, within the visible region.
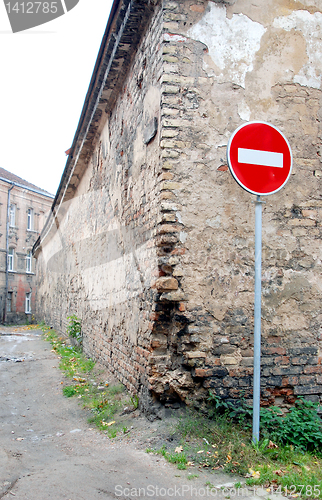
(49, 451)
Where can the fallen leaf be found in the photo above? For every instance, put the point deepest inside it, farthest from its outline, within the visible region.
(190, 464)
(272, 445)
(178, 449)
(200, 451)
(254, 473)
(111, 423)
(279, 472)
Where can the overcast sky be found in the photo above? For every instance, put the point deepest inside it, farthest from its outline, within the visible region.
(45, 73)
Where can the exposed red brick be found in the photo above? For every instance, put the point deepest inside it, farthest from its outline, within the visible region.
(282, 360)
(274, 350)
(178, 251)
(312, 369)
(197, 8)
(202, 372)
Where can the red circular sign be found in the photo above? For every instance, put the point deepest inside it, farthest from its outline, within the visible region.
(259, 157)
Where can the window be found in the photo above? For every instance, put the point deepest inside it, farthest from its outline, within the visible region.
(30, 219)
(12, 215)
(28, 262)
(9, 302)
(11, 258)
(28, 303)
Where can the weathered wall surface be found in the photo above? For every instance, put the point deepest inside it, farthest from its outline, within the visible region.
(225, 64)
(101, 262)
(155, 250)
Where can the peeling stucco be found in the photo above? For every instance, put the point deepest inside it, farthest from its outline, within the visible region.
(232, 43)
(244, 111)
(310, 26)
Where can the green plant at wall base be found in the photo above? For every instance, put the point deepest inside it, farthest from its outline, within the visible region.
(301, 427)
(74, 328)
(135, 401)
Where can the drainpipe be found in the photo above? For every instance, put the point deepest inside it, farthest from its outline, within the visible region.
(7, 253)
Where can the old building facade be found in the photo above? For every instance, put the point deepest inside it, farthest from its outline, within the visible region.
(151, 241)
(23, 211)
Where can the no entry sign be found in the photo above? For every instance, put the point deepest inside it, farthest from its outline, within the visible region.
(259, 157)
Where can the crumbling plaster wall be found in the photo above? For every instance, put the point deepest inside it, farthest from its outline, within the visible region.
(155, 251)
(226, 63)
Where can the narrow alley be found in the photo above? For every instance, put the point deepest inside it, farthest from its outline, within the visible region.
(49, 451)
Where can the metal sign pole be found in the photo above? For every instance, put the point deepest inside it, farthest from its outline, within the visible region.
(257, 318)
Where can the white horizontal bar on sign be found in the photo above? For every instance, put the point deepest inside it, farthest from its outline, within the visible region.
(257, 157)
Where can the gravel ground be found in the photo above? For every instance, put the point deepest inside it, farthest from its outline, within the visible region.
(49, 451)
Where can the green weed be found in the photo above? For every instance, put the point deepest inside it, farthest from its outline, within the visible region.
(135, 401)
(74, 328)
(179, 459)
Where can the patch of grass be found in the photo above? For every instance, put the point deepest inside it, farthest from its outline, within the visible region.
(179, 459)
(69, 391)
(192, 476)
(72, 360)
(220, 443)
(102, 400)
(116, 389)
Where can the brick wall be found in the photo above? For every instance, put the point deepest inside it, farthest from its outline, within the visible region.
(210, 341)
(155, 250)
(102, 261)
